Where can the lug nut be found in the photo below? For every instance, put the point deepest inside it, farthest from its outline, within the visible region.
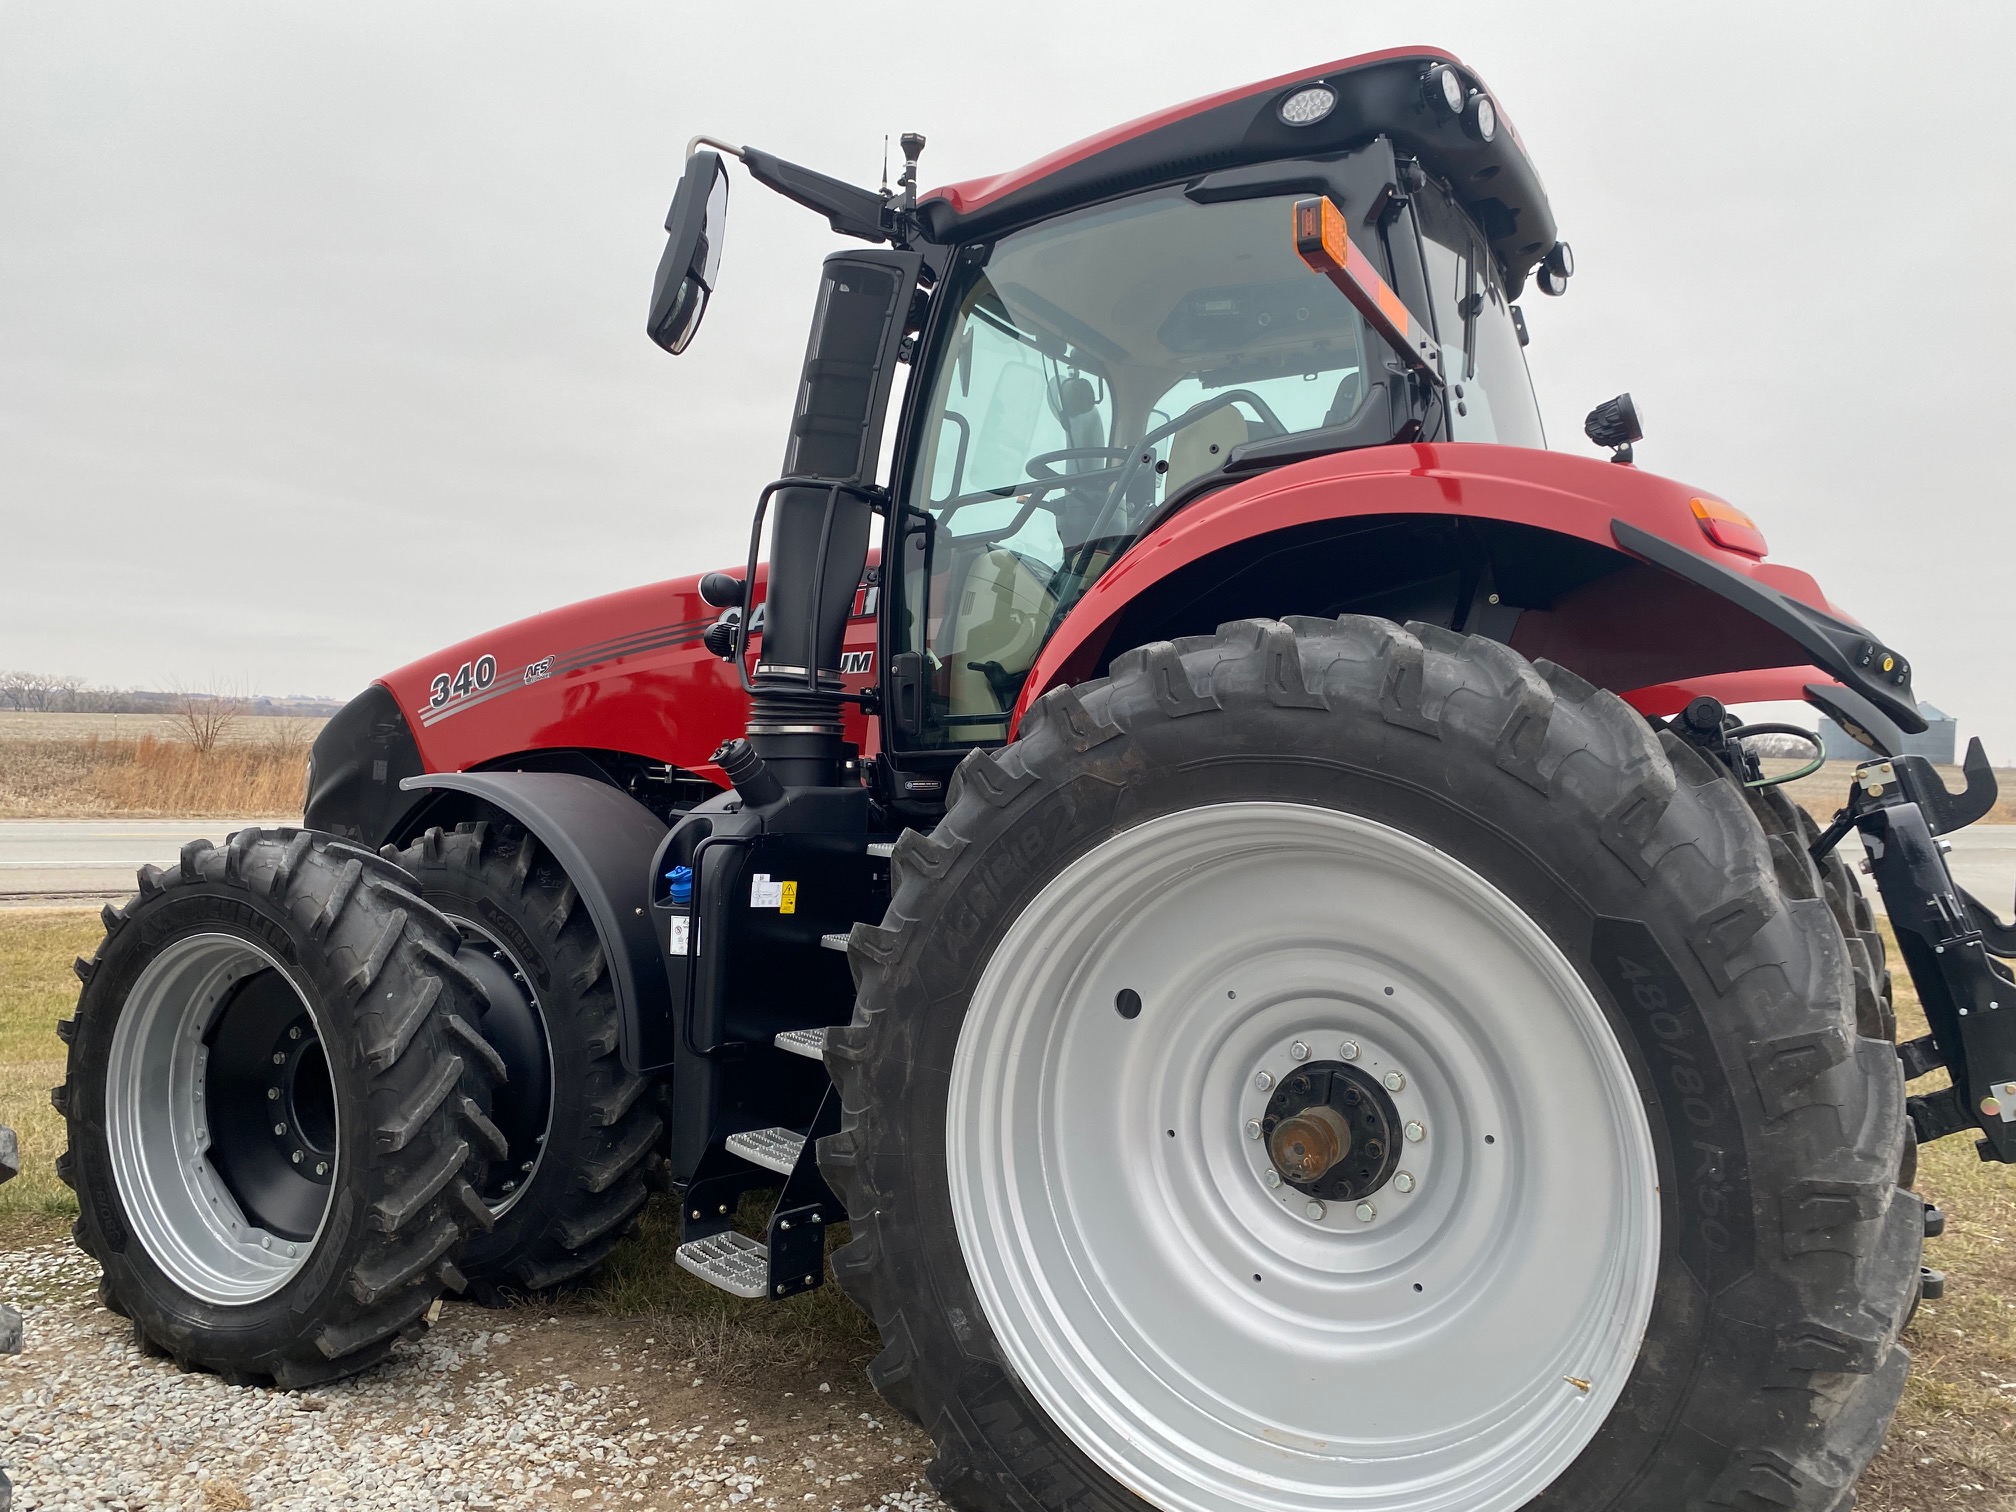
(1252, 1128)
(321, 1168)
(1298, 1051)
(296, 1157)
(1394, 1081)
(294, 1033)
(1349, 1050)
(1416, 1131)
(279, 1128)
(1264, 1081)
(1270, 1177)
(272, 1094)
(1315, 1211)
(1404, 1182)
(1366, 1212)
(279, 1057)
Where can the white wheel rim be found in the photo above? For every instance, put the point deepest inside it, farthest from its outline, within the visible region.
(1115, 1261)
(158, 1126)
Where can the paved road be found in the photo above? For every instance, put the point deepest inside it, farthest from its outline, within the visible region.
(88, 860)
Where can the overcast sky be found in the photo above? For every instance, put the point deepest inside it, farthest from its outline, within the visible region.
(321, 330)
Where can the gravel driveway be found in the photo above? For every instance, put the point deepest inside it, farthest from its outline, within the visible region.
(489, 1410)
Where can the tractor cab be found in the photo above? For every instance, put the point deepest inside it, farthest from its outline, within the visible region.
(1098, 340)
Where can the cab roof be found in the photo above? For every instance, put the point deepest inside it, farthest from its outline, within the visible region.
(1378, 94)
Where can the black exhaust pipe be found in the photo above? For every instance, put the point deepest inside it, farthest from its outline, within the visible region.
(822, 511)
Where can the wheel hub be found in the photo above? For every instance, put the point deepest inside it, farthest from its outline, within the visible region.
(301, 1100)
(1332, 1132)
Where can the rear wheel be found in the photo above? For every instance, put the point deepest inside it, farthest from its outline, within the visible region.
(1331, 1065)
(581, 1129)
(275, 1101)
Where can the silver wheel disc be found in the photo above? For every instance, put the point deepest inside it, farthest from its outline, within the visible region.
(1220, 1344)
(158, 1112)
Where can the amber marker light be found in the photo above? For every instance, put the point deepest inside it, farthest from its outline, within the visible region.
(1322, 241)
(1728, 527)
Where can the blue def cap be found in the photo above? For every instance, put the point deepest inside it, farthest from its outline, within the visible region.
(681, 880)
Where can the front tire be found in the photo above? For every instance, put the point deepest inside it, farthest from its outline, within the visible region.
(581, 1129)
(274, 1096)
(1056, 1201)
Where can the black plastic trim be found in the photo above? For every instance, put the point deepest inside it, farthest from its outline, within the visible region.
(1835, 645)
(356, 769)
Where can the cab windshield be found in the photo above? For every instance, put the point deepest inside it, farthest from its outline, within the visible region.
(1103, 362)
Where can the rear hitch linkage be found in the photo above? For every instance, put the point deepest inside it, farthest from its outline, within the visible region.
(1949, 940)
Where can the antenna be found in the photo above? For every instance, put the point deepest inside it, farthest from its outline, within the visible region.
(885, 165)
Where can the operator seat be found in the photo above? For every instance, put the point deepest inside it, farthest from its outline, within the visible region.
(1203, 445)
(1001, 616)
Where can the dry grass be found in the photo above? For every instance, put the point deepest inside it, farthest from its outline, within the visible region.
(36, 988)
(249, 729)
(117, 777)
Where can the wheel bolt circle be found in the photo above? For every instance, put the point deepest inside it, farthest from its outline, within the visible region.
(1394, 1081)
(1416, 1131)
(1366, 1212)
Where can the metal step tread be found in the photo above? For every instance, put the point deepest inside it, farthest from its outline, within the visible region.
(734, 1262)
(773, 1149)
(882, 849)
(833, 941)
(810, 1043)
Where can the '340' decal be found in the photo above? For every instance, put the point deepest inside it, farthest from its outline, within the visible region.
(470, 677)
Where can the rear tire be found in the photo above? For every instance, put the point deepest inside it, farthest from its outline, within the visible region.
(1787, 1259)
(596, 1128)
(274, 1097)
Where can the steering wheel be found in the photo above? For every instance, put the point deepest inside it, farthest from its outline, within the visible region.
(1044, 466)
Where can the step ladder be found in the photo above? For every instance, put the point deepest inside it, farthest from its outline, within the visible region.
(794, 1257)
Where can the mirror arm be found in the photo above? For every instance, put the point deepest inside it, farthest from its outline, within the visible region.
(850, 210)
(717, 144)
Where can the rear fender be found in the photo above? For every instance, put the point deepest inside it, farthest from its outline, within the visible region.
(604, 840)
(1601, 569)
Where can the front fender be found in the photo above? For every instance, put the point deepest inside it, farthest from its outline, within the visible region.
(604, 840)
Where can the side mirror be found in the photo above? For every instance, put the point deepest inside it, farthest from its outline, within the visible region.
(694, 227)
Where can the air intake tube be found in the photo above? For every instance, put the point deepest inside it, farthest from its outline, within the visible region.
(821, 514)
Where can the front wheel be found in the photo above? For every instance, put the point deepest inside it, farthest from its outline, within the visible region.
(1329, 1065)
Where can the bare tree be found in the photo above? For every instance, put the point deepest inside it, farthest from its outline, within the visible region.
(290, 738)
(204, 717)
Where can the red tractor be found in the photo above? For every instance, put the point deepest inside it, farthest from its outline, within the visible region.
(1228, 870)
